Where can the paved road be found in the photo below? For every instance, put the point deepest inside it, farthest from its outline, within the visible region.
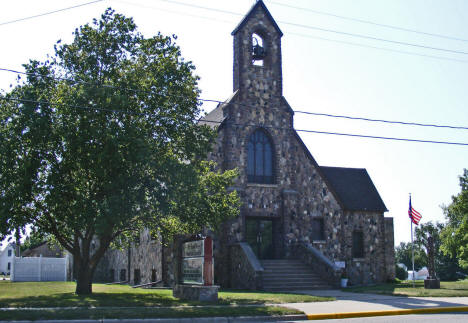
(424, 318)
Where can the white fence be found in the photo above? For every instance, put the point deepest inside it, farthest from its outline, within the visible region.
(39, 269)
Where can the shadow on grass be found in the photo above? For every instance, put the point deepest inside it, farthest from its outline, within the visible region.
(145, 313)
(259, 297)
(96, 300)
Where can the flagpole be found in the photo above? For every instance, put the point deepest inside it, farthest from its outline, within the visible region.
(412, 244)
(412, 249)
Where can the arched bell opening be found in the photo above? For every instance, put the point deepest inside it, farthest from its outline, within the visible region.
(259, 52)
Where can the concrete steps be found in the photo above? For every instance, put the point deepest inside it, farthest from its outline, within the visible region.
(290, 274)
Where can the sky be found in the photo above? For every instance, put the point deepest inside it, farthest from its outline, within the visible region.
(331, 65)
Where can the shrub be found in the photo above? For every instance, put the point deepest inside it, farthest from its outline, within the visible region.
(400, 273)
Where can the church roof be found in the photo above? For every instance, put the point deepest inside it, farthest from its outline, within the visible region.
(216, 117)
(354, 189)
(259, 3)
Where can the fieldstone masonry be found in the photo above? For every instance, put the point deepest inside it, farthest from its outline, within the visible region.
(301, 192)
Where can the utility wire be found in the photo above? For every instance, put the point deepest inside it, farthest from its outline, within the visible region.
(324, 29)
(139, 5)
(367, 21)
(345, 134)
(250, 106)
(379, 48)
(291, 33)
(247, 125)
(49, 13)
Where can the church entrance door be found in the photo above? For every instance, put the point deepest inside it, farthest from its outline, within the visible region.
(259, 235)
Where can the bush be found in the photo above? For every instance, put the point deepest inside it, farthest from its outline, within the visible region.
(400, 273)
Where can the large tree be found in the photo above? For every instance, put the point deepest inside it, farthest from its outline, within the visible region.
(102, 140)
(455, 235)
(446, 266)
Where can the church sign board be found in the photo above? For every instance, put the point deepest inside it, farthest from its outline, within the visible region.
(197, 262)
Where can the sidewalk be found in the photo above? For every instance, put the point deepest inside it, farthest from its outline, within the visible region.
(361, 305)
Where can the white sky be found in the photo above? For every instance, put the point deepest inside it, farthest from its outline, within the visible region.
(318, 76)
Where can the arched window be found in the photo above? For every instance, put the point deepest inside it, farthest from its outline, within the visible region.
(259, 158)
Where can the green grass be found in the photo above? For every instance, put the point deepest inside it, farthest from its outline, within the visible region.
(61, 294)
(144, 312)
(122, 301)
(405, 288)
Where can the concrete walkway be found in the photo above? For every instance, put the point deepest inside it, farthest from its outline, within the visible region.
(359, 304)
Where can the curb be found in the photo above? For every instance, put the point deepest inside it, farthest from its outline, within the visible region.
(431, 310)
(232, 319)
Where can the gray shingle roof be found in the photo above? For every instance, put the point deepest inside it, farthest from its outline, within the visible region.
(354, 188)
(216, 117)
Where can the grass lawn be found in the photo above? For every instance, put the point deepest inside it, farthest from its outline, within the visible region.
(114, 301)
(405, 288)
(144, 312)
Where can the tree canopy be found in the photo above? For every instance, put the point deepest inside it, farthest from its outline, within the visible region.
(102, 139)
(446, 266)
(455, 234)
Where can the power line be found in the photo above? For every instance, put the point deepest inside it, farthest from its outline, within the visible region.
(368, 22)
(250, 106)
(172, 11)
(249, 125)
(374, 38)
(324, 29)
(379, 48)
(49, 13)
(381, 120)
(290, 33)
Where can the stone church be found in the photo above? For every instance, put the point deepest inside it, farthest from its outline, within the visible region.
(301, 225)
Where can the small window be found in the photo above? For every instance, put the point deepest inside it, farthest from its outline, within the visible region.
(9, 266)
(136, 277)
(358, 244)
(123, 275)
(9, 252)
(318, 232)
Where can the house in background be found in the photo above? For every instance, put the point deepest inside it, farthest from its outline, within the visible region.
(6, 258)
(43, 249)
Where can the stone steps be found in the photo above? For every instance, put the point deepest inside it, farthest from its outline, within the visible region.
(290, 274)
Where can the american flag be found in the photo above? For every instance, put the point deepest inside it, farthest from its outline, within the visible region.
(414, 215)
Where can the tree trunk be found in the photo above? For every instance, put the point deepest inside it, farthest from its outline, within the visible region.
(84, 278)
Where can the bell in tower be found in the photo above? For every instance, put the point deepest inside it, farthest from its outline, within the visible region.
(258, 51)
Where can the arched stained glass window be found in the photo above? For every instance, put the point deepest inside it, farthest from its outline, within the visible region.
(260, 158)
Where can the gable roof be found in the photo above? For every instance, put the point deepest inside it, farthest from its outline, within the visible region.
(354, 188)
(258, 4)
(216, 117)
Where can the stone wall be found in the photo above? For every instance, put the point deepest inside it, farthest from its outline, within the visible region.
(144, 257)
(246, 271)
(389, 249)
(371, 267)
